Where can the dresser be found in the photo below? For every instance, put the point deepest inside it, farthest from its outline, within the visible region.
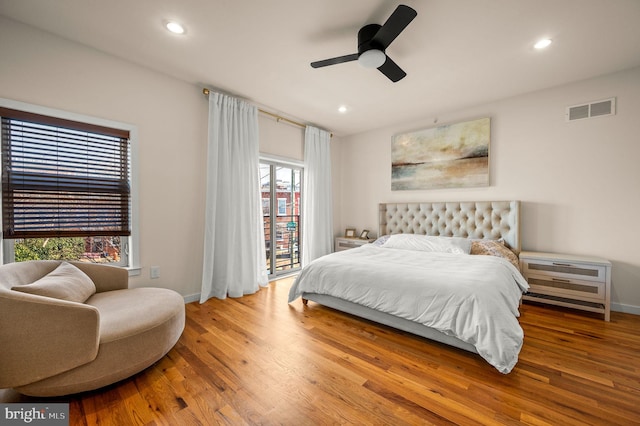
(579, 282)
(344, 243)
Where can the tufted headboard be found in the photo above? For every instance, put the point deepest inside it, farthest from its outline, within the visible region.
(468, 219)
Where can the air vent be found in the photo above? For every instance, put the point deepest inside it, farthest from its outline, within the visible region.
(592, 109)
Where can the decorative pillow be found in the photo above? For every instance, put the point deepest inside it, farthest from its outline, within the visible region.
(429, 243)
(381, 240)
(494, 248)
(66, 282)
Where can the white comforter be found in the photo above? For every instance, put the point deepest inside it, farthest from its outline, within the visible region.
(474, 298)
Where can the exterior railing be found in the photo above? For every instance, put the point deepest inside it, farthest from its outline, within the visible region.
(287, 242)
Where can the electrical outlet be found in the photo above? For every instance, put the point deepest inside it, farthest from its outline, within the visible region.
(154, 272)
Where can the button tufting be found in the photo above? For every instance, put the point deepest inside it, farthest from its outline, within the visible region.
(467, 219)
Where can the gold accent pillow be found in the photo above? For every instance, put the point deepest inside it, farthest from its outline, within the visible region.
(494, 248)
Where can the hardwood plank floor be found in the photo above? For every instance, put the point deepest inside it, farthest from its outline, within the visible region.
(258, 360)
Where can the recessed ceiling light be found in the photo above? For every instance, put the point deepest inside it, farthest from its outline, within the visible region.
(174, 27)
(542, 43)
(342, 109)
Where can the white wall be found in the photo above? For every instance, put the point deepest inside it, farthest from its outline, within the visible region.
(171, 116)
(280, 139)
(578, 182)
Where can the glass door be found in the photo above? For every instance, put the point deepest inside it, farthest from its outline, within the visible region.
(281, 188)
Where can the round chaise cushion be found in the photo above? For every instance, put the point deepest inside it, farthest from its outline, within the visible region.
(137, 327)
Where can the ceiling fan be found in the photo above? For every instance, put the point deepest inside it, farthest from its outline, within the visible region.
(373, 40)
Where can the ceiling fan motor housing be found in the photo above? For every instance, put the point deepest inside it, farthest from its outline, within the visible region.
(365, 38)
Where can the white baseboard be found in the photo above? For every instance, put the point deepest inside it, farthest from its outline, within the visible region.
(192, 298)
(627, 309)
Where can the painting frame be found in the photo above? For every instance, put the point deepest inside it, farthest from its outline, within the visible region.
(447, 156)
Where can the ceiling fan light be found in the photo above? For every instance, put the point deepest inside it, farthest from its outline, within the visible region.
(373, 58)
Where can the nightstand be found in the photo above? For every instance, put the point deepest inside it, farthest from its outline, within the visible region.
(344, 243)
(579, 282)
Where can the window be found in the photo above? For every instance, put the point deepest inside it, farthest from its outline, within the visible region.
(66, 188)
(282, 206)
(281, 183)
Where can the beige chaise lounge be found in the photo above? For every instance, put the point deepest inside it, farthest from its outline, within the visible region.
(59, 344)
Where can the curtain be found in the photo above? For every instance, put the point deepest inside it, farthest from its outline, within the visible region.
(234, 250)
(317, 209)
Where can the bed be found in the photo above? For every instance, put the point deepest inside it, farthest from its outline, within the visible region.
(420, 278)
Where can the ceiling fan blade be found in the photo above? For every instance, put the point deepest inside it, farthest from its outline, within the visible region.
(333, 61)
(392, 70)
(397, 22)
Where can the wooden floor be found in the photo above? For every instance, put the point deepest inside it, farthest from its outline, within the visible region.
(258, 360)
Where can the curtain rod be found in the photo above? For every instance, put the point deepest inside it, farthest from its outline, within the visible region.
(278, 118)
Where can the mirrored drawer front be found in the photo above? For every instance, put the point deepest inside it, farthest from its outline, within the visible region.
(564, 287)
(566, 270)
(348, 244)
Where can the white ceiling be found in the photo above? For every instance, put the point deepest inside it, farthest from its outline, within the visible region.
(457, 53)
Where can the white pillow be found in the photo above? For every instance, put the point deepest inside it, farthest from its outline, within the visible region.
(429, 243)
(66, 282)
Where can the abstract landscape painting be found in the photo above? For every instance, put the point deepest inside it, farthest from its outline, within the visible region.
(448, 156)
